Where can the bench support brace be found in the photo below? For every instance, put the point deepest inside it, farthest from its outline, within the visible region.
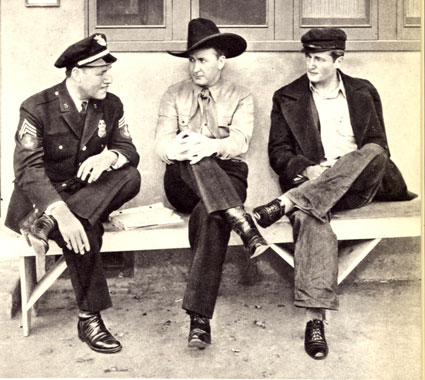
(31, 290)
(349, 257)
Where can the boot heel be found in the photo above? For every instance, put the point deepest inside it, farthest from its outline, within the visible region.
(40, 247)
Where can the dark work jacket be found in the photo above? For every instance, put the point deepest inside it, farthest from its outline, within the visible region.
(294, 141)
(56, 141)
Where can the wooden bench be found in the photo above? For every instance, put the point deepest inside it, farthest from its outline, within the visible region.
(365, 226)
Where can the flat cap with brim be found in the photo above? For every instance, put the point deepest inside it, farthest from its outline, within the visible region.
(324, 39)
(85, 52)
(204, 33)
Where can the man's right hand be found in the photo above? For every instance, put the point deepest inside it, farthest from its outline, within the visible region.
(179, 149)
(313, 171)
(71, 229)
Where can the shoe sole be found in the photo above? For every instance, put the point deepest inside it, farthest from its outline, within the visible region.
(110, 351)
(258, 220)
(259, 251)
(40, 247)
(319, 355)
(197, 343)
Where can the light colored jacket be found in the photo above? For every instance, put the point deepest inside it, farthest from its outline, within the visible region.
(179, 111)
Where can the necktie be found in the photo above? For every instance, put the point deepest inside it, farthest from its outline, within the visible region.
(208, 112)
(83, 111)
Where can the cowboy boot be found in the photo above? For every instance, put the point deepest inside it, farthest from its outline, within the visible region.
(200, 331)
(242, 223)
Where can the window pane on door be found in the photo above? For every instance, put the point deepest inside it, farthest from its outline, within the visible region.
(335, 12)
(130, 12)
(234, 12)
(412, 12)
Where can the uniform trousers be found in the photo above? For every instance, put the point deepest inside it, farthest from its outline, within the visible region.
(351, 183)
(203, 190)
(92, 203)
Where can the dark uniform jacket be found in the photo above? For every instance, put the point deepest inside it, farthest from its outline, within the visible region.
(52, 140)
(294, 141)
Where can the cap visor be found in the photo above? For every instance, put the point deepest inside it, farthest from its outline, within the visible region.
(104, 61)
(109, 58)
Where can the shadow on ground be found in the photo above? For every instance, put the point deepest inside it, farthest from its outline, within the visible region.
(256, 331)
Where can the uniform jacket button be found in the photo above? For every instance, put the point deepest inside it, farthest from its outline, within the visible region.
(64, 185)
(60, 147)
(84, 148)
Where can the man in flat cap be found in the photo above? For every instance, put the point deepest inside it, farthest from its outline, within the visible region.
(74, 163)
(204, 128)
(328, 145)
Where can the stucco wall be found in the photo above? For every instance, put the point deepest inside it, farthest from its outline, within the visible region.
(33, 38)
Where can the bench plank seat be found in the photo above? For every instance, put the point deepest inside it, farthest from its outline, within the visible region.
(367, 226)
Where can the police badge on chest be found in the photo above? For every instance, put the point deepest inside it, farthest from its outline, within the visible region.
(101, 129)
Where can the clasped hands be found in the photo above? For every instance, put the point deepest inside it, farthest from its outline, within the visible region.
(191, 146)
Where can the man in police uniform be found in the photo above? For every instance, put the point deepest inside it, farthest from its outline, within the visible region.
(74, 163)
(329, 147)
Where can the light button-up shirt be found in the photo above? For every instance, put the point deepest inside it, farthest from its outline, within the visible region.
(234, 112)
(336, 131)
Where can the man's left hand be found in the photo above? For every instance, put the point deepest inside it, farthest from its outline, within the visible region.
(92, 168)
(200, 146)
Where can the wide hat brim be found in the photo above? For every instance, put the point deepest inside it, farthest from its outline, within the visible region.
(230, 44)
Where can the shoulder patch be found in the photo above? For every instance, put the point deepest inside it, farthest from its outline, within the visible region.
(28, 135)
(29, 142)
(123, 128)
(27, 128)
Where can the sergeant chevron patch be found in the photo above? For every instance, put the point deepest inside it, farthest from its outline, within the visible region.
(27, 128)
(123, 128)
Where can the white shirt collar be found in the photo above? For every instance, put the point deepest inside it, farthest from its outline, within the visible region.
(214, 89)
(332, 94)
(77, 101)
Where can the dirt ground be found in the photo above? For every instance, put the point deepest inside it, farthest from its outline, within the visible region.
(256, 332)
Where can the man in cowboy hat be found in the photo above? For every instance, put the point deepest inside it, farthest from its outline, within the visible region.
(75, 163)
(204, 128)
(328, 145)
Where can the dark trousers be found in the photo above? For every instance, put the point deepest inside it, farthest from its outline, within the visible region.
(204, 189)
(352, 182)
(91, 204)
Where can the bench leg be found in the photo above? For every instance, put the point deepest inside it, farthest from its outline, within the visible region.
(46, 281)
(28, 278)
(31, 290)
(285, 254)
(351, 256)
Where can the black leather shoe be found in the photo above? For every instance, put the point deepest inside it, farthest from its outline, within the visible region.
(314, 340)
(200, 331)
(92, 330)
(37, 232)
(269, 213)
(245, 227)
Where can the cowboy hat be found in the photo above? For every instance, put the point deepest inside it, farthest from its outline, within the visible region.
(204, 33)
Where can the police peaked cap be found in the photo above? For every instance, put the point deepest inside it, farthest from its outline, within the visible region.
(203, 33)
(323, 39)
(85, 52)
